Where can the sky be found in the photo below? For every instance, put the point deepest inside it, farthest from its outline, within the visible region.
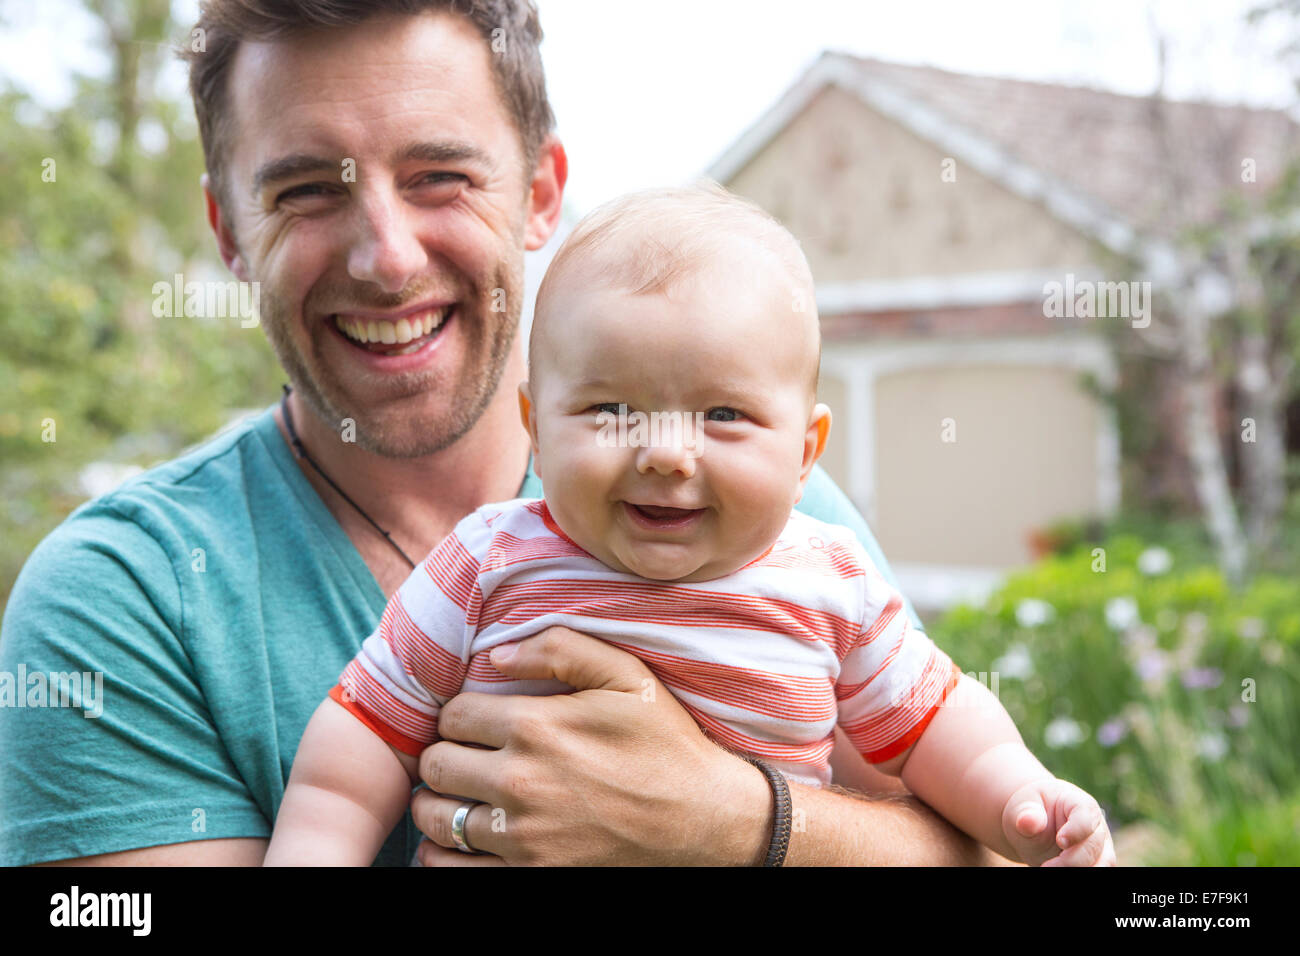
(651, 93)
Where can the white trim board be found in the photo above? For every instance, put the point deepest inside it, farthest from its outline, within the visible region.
(959, 290)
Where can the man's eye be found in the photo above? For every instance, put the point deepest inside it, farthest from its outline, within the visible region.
(441, 179)
(722, 414)
(304, 191)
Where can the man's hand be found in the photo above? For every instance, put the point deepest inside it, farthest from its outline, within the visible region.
(1054, 823)
(617, 771)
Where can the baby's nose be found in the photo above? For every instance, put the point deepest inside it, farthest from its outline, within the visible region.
(667, 458)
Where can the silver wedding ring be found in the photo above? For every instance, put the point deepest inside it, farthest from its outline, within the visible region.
(458, 827)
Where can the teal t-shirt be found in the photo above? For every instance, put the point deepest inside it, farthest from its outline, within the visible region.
(220, 601)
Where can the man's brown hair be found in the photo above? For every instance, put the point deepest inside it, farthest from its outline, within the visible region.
(511, 28)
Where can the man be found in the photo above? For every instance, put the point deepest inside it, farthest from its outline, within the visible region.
(380, 174)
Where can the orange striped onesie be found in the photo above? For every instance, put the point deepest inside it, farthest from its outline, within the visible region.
(767, 659)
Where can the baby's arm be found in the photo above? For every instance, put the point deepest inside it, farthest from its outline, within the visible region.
(347, 791)
(349, 787)
(972, 766)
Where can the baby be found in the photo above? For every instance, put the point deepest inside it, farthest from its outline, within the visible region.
(672, 408)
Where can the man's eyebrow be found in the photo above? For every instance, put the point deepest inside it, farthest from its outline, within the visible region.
(297, 164)
(287, 167)
(446, 152)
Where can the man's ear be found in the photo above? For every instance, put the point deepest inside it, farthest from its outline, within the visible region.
(814, 442)
(226, 244)
(528, 415)
(546, 194)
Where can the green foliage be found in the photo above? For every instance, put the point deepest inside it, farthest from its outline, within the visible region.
(1168, 696)
(1264, 835)
(89, 221)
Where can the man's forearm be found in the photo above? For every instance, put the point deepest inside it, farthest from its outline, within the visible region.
(836, 827)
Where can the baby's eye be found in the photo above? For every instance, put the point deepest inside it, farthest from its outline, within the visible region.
(614, 408)
(722, 414)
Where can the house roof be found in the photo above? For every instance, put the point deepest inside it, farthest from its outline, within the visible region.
(1097, 160)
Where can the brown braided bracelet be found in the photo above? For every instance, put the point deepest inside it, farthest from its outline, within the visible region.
(781, 817)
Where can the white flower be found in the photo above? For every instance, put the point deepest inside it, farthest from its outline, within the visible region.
(1063, 732)
(1195, 624)
(1032, 612)
(1212, 746)
(1251, 628)
(1121, 613)
(1015, 663)
(1155, 561)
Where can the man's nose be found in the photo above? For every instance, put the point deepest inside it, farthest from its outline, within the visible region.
(667, 458)
(385, 250)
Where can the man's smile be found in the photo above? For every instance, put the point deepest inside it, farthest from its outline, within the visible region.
(396, 343)
(399, 334)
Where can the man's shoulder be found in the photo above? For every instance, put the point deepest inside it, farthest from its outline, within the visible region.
(204, 477)
(133, 527)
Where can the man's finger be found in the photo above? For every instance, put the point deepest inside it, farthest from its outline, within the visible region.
(582, 662)
(433, 812)
(430, 854)
(483, 718)
(448, 767)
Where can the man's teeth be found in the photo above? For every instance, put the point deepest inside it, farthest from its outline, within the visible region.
(404, 330)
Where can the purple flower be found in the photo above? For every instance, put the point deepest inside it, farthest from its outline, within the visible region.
(1200, 678)
(1112, 732)
(1151, 666)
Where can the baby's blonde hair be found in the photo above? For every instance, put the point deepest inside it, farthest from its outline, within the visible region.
(647, 241)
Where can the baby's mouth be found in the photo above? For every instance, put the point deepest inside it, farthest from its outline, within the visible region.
(661, 517)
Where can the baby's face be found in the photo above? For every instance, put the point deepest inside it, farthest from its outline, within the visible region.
(706, 486)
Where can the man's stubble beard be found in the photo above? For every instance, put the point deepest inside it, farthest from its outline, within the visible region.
(475, 386)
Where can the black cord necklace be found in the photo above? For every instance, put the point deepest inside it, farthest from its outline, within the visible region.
(302, 453)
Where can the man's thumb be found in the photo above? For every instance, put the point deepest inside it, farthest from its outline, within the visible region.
(576, 659)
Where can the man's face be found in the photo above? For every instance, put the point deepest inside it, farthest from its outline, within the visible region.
(376, 189)
(721, 352)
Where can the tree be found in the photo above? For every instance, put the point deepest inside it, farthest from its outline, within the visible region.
(1231, 325)
(98, 202)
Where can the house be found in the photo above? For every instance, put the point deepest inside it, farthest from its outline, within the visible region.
(943, 215)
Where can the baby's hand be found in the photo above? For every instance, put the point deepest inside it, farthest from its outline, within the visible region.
(1054, 823)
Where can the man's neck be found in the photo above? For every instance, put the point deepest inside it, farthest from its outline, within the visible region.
(417, 500)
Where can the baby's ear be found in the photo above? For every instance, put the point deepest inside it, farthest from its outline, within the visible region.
(814, 441)
(528, 417)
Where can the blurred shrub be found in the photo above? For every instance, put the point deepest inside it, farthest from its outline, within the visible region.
(1267, 834)
(1153, 686)
(87, 372)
